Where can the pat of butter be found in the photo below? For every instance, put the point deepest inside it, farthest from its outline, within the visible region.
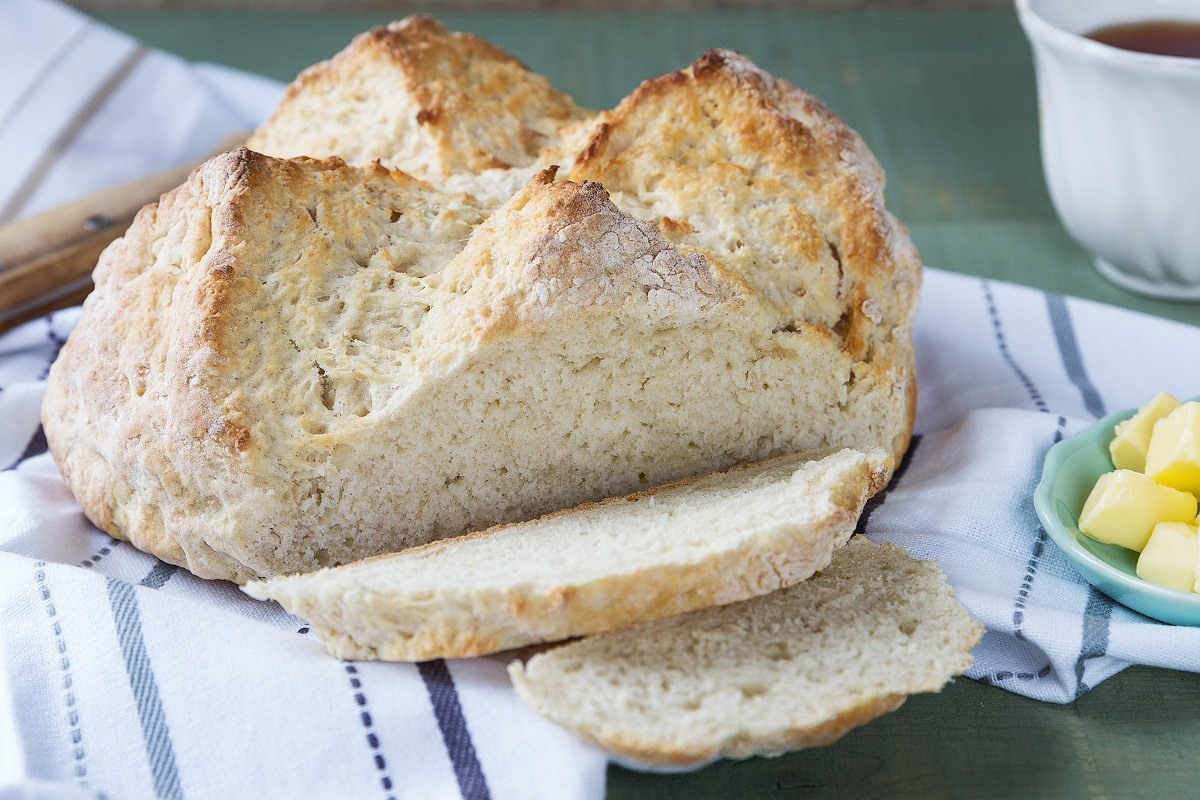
(1124, 507)
(1132, 440)
(1174, 455)
(1171, 556)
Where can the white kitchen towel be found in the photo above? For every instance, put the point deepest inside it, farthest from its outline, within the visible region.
(122, 674)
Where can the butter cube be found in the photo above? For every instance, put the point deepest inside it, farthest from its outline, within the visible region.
(1124, 507)
(1132, 440)
(1174, 455)
(1196, 574)
(1171, 556)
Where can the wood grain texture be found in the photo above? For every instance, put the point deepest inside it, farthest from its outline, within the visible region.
(946, 99)
(46, 260)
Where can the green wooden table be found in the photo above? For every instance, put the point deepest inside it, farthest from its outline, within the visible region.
(946, 100)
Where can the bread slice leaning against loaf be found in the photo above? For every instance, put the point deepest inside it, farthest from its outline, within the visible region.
(795, 669)
(699, 542)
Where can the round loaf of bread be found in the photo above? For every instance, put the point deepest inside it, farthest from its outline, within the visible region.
(294, 362)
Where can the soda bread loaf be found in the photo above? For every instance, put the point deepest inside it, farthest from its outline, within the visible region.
(700, 542)
(790, 670)
(290, 363)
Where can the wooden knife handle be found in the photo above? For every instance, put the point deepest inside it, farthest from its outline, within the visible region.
(46, 260)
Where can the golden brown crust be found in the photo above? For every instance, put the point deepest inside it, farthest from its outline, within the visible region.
(772, 142)
(160, 411)
(462, 104)
(257, 331)
(772, 146)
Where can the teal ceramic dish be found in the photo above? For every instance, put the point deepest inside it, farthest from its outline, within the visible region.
(1071, 469)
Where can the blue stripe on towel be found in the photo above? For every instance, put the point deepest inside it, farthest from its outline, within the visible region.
(159, 752)
(440, 685)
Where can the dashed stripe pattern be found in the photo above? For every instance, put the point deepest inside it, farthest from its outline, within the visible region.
(100, 554)
(385, 780)
(1094, 642)
(1035, 558)
(74, 730)
(995, 678)
(1097, 612)
(1002, 341)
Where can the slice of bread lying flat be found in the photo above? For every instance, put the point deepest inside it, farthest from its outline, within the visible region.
(291, 362)
(700, 542)
(794, 669)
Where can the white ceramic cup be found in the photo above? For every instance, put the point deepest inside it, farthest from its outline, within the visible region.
(1121, 141)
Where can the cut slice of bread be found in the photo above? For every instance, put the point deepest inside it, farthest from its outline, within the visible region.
(696, 543)
(794, 669)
